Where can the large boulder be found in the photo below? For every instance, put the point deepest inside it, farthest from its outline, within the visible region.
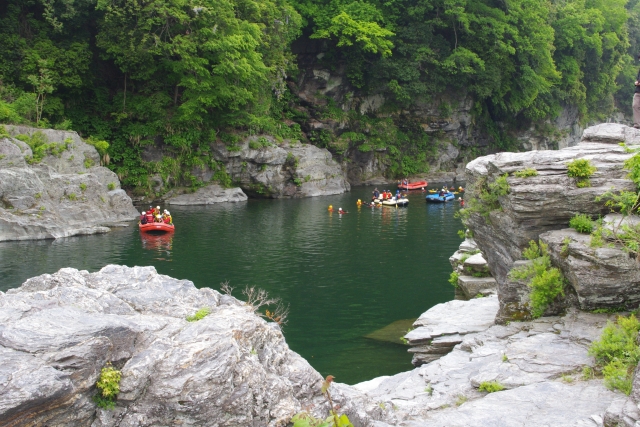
(262, 167)
(546, 202)
(64, 194)
(230, 368)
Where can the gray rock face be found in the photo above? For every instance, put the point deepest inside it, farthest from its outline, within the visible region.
(440, 328)
(545, 202)
(60, 196)
(600, 277)
(537, 362)
(208, 195)
(231, 368)
(285, 170)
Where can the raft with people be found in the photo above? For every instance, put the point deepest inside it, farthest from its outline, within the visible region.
(441, 197)
(402, 201)
(153, 221)
(417, 185)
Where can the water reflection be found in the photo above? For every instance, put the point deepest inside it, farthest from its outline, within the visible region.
(344, 276)
(161, 243)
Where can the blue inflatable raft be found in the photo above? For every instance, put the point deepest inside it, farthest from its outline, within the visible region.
(437, 198)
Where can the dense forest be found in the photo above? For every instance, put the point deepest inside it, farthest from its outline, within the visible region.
(184, 73)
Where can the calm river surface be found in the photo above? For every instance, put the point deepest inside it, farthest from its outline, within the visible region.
(343, 276)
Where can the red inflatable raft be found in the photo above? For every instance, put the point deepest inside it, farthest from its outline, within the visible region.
(418, 185)
(157, 226)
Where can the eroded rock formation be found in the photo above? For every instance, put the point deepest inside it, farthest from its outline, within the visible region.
(62, 195)
(539, 204)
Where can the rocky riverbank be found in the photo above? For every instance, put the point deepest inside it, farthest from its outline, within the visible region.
(64, 192)
(233, 368)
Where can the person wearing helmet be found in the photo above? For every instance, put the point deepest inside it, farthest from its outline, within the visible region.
(156, 211)
(340, 211)
(167, 217)
(143, 217)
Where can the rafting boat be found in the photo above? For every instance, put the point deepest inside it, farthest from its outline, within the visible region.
(403, 201)
(418, 185)
(437, 198)
(160, 227)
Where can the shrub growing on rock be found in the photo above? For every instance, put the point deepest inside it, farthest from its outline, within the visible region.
(109, 386)
(525, 173)
(546, 282)
(490, 386)
(581, 223)
(581, 170)
(453, 279)
(199, 315)
(617, 352)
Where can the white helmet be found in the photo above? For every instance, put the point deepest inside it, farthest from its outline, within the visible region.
(339, 209)
(168, 213)
(157, 207)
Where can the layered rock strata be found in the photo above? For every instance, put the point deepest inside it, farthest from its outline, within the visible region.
(443, 326)
(62, 195)
(538, 204)
(474, 277)
(232, 368)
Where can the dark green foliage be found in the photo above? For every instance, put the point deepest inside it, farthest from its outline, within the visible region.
(581, 223)
(182, 75)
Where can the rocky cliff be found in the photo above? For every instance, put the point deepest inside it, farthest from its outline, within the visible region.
(538, 207)
(61, 191)
(447, 118)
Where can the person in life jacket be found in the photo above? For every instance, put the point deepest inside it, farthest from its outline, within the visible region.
(143, 218)
(330, 209)
(150, 215)
(340, 211)
(376, 194)
(167, 217)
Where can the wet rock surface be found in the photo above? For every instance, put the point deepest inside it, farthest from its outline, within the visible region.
(63, 195)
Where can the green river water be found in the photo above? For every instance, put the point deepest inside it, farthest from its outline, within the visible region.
(344, 277)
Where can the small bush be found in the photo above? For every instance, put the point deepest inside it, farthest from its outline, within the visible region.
(453, 279)
(72, 196)
(88, 163)
(581, 170)
(546, 282)
(581, 223)
(83, 186)
(618, 353)
(111, 186)
(525, 173)
(199, 315)
(109, 386)
(297, 182)
(534, 251)
(490, 386)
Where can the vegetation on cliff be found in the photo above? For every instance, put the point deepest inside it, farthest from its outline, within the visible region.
(182, 74)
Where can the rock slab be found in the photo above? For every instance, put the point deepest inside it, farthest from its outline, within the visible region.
(230, 368)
